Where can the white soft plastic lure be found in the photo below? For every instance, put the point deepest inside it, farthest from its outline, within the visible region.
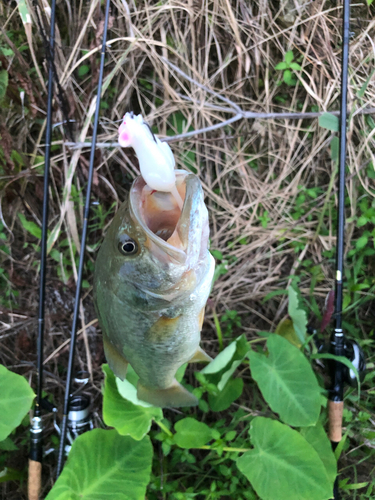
(156, 160)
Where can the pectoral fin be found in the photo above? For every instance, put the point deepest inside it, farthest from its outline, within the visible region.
(200, 357)
(174, 396)
(116, 361)
(163, 329)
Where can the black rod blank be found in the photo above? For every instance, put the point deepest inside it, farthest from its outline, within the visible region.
(342, 161)
(82, 254)
(336, 393)
(36, 437)
(337, 338)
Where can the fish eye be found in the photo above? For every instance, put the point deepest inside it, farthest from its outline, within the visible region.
(127, 246)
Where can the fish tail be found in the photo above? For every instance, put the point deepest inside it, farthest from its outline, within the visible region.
(174, 396)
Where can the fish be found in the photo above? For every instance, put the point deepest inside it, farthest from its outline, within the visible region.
(152, 279)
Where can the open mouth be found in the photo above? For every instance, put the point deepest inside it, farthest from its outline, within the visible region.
(161, 212)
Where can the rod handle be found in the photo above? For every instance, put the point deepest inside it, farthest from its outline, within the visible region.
(335, 411)
(35, 480)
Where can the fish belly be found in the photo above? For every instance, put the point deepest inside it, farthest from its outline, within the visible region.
(173, 341)
(157, 343)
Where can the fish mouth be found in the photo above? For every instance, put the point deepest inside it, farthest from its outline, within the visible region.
(168, 228)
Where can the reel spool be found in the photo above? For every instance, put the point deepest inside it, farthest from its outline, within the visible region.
(355, 355)
(79, 416)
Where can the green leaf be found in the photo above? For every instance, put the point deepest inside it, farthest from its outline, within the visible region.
(286, 330)
(217, 254)
(281, 66)
(225, 398)
(295, 66)
(83, 70)
(287, 76)
(3, 83)
(103, 464)
(8, 474)
(317, 437)
(335, 149)
(361, 242)
(181, 372)
(283, 465)
(24, 12)
(354, 486)
(221, 360)
(30, 227)
(342, 359)
(8, 445)
(226, 362)
(287, 382)
(16, 397)
(274, 293)
(363, 89)
(6, 51)
(297, 314)
(362, 221)
(191, 434)
(127, 416)
(289, 56)
(329, 121)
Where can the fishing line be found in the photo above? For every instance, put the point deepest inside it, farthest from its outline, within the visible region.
(82, 254)
(36, 430)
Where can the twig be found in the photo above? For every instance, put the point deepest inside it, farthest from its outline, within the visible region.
(246, 114)
(200, 85)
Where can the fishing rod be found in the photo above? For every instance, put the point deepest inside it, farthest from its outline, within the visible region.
(36, 429)
(67, 398)
(339, 344)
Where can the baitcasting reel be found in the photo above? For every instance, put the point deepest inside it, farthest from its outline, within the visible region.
(354, 353)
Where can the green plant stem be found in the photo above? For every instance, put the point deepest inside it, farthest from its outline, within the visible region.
(218, 330)
(226, 448)
(257, 340)
(164, 428)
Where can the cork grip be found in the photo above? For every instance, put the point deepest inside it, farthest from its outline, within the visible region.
(35, 480)
(335, 411)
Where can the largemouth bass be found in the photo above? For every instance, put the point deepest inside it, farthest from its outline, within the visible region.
(152, 279)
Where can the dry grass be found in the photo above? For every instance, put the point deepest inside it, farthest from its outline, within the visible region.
(251, 170)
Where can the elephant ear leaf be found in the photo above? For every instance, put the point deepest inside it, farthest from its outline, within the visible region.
(287, 382)
(281, 457)
(103, 464)
(16, 397)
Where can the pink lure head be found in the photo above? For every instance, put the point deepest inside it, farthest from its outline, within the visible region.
(132, 130)
(124, 134)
